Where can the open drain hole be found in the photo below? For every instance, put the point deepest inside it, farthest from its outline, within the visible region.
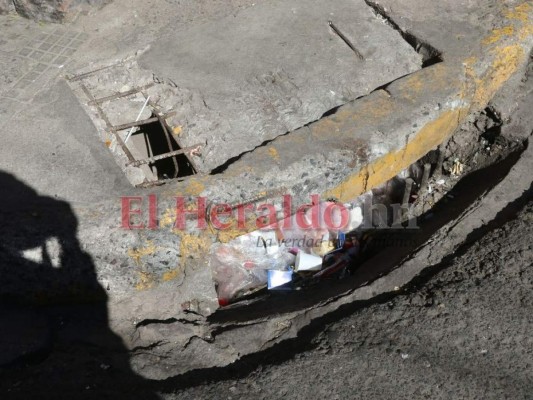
(155, 156)
(152, 140)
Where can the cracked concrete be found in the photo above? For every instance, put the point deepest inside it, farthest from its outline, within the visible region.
(277, 67)
(239, 332)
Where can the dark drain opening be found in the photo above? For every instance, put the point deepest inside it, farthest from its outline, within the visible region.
(153, 140)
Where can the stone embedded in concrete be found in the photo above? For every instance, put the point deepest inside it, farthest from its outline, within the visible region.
(42, 10)
(273, 68)
(52, 10)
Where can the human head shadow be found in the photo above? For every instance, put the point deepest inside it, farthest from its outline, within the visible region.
(54, 329)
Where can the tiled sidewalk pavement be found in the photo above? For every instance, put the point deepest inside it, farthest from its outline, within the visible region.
(32, 54)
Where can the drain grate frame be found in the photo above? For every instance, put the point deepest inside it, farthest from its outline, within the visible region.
(184, 165)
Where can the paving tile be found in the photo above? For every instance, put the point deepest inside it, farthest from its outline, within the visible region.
(22, 84)
(25, 52)
(13, 36)
(56, 49)
(26, 95)
(12, 93)
(72, 34)
(45, 46)
(60, 60)
(31, 76)
(47, 57)
(40, 67)
(42, 37)
(63, 41)
(76, 43)
(54, 38)
(59, 31)
(68, 51)
(36, 55)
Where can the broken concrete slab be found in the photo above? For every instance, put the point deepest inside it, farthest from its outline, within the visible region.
(234, 334)
(466, 94)
(276, 87)
(42, 10)
(276, 67)
(465, 22)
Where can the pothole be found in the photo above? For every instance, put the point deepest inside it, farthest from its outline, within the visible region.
(403, 213)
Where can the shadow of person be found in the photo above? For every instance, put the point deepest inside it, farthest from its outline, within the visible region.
(54, 336)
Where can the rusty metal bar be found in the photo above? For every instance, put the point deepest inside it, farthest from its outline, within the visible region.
(346, 40)
(403, 212)
(425, 178)
(121, 94)
(159, 182)
(103, 116)
(123, 127)
(438, 168)
(140, 123)
(169, 142)
(165, 130)
(166, 155)
(193, 163)
(407, 191)
(86, 74)
(189, 158)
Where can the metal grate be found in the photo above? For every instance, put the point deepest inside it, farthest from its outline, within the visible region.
(182, 167)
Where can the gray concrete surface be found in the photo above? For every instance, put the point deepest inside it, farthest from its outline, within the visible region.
(274, 68)
(466, 20)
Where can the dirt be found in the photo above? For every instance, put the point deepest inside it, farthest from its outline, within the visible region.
(463, 334)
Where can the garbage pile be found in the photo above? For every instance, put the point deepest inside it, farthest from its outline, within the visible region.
(327, 240)
(290, 254)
